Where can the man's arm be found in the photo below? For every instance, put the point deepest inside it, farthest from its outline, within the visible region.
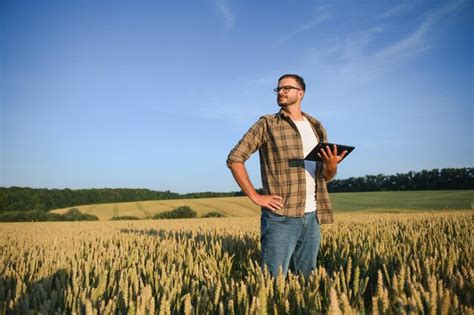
(241, 176)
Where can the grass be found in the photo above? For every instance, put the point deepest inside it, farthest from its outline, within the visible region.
(403, 200)
(392, 201)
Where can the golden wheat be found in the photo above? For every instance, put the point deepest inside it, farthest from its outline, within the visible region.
(390, 263)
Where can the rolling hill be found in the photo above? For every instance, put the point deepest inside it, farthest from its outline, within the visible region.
(399, 201)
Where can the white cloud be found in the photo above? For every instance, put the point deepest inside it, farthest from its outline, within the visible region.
(321, 14)
(355, 56)
(225, 12)
(417, 41)
(395, 11)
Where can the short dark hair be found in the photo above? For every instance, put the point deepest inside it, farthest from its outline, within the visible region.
(298, 79)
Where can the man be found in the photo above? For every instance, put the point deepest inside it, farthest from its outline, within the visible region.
(295, 199)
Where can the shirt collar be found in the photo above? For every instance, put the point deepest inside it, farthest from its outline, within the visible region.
(283, 114)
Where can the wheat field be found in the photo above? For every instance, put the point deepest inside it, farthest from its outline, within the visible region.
(406, 263)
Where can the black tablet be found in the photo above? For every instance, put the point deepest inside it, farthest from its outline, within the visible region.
(313, 155)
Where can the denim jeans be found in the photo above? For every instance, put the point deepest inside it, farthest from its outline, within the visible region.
(289, 242)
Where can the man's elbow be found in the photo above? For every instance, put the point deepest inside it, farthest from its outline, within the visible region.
(232, 165)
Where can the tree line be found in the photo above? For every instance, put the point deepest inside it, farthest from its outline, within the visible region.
(43, 199)
(27, 199)
(435, 179)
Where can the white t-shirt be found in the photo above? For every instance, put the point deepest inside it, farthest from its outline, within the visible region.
(309, 142)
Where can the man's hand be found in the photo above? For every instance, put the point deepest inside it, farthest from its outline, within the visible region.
(330, 160)
(241, 176)
(272, 202)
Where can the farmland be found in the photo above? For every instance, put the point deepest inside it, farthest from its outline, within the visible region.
(242, 207)
(229, 206)
(370, 262)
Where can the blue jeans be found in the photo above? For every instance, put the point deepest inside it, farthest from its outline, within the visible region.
(289, 242)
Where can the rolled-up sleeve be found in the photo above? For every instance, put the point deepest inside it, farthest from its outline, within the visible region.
(249, 143)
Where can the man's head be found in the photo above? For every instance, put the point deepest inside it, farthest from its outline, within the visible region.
(290, 90)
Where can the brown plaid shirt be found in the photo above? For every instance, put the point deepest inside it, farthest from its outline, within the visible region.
(282, 163)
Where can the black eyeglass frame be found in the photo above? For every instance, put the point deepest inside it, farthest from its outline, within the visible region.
(285, 89)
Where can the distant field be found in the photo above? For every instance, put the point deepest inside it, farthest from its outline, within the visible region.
(229, 206)
(399, 201)
(409, 200)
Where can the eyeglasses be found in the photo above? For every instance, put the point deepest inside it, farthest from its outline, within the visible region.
(285, 89)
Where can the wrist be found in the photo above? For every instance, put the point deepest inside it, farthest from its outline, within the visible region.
(253, 196)
(329, 173)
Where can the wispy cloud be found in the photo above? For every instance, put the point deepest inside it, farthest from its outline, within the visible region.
(225, 12)
(418, 40)
(358, 54)
(321, 14)
(233, 107)
(395, 11)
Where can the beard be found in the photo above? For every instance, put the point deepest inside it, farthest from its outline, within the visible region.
(282, 102)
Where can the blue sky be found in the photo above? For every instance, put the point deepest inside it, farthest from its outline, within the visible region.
(154, 94)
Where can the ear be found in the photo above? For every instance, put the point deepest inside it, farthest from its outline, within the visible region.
(301, 94)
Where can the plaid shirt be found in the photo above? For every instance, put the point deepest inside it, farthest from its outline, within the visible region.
(282, 163)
